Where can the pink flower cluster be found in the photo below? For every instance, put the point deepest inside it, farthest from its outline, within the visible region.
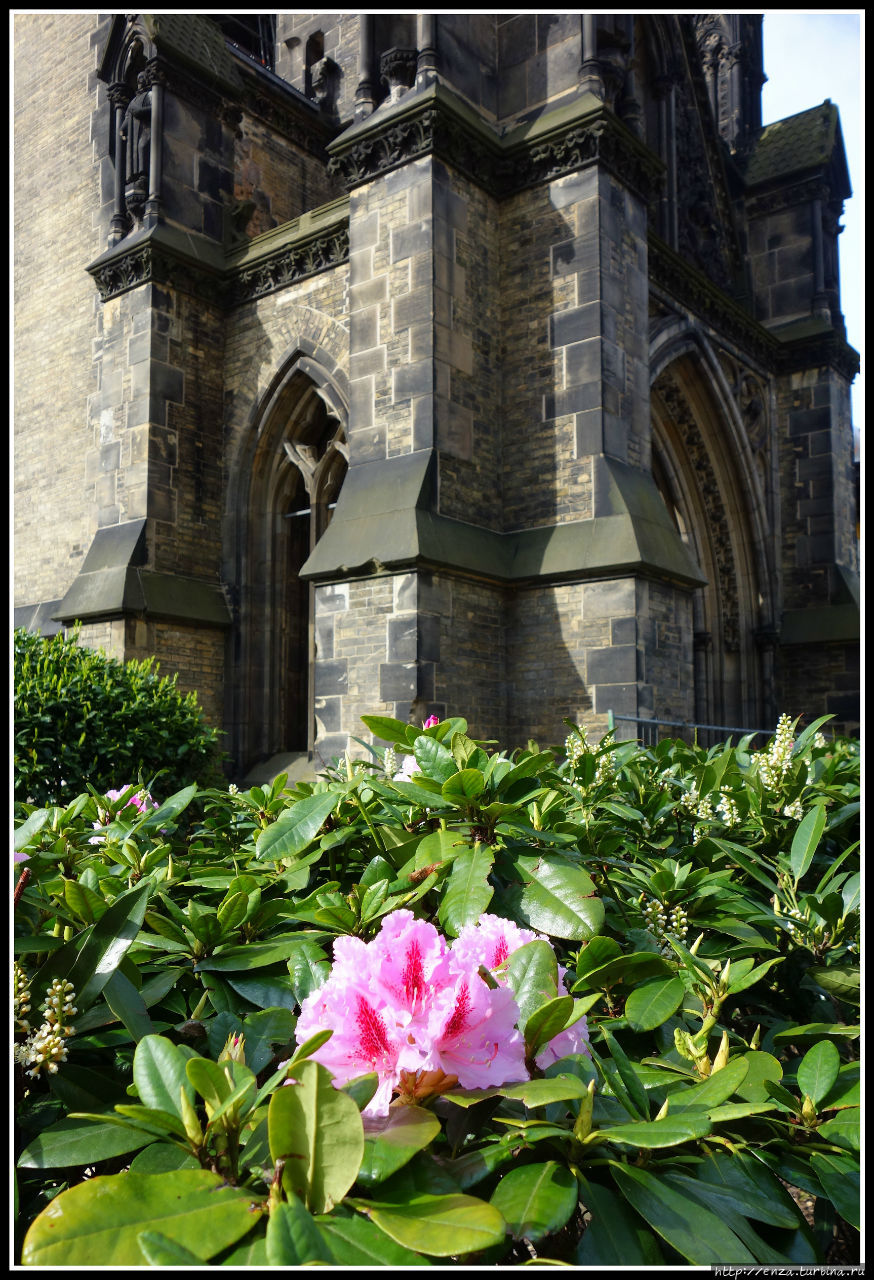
(140, 800)
(417, 1012)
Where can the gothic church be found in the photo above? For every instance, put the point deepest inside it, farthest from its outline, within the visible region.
(476, 364)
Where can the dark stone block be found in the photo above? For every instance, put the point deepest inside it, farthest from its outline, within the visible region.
(577, 325)
(517, 39)
(212, 180)
(406, 242)
(619, 698)
(331, 676)
(330, 748)
(804, 421)
(615, 664)
(328, 712)
(574, 400)
(397, 681)
(571, 256)
(429, 638)
(413, 380)
(590, 432)
(213, 220)
(583, 362)
(402, 640)
(425, 681)
(623, 631)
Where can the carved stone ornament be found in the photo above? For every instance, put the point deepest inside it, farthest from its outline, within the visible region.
(288, 265)
(500, 169)
(397, 68)
(147, 263)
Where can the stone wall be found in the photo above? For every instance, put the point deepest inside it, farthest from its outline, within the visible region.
(55, 304)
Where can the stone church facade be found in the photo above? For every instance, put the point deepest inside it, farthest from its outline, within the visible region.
(476, 364)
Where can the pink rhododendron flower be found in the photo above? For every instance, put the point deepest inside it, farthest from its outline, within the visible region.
(417, 1012)
(489, 942)
(430, 722)
(140, 800)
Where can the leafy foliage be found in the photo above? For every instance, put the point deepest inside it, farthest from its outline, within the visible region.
(81, 717)
(702, 904)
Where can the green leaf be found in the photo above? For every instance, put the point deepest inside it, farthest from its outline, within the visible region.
(556, 897)
(387, 729)
(89, 959)
(128, 1005)
(760, 1067)
(633, 1096)
(467, 893)
(389, 1144)
(295, 827)
(317, 1130)
(537, 1199)
(844, 1129)
(83, 902)
(547, 1022)
(293, 1239)
(357, 1242)
(210, 1081)
(433, 759)
(253, 955)
(533, 1093)
(159, 1074)
(615, 1237)
(29, 828)
(163, 1157)
(636, 967)
(748, 1188)
(811, 1029)
(818, 1070)
(160, 1251)
(79, 1142)
(464, 786)
(99, 1222)
(714, 1090)
(653, 1134)
(439, 1226)
(650, 1005)
(696, 1233)
(840, 1179)
(842, 981)
(532, 976)
(806, 839)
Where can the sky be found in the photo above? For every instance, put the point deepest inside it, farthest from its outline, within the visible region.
(811, 55)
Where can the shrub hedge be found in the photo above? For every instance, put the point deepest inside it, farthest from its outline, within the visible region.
(83, 718)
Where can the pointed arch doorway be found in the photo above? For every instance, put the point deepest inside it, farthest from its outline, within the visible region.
(285, 492)
(706, 475)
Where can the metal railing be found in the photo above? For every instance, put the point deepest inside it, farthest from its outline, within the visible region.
(702, 735)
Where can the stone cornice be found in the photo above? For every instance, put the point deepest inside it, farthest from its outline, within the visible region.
(794, 349)
(194, 264)
(435, 122)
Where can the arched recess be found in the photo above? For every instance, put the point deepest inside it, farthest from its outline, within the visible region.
(706, 473)
(281, 498)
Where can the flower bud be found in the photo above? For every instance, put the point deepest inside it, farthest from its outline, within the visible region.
(722, 1055)
(583, 1125)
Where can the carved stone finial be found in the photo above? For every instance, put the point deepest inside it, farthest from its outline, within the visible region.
(397, 68)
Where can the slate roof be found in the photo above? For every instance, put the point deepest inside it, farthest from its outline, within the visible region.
(811, 140)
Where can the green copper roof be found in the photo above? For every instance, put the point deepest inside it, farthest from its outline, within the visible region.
(796, 145)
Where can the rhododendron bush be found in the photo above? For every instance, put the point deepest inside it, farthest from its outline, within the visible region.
(592, 1005)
